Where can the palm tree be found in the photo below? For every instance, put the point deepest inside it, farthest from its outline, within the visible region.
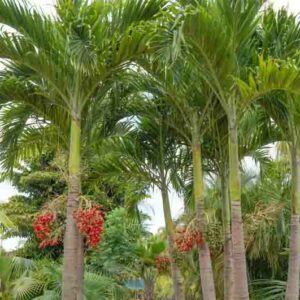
(147, 153)
(279, 38)
(276, 76)
(190, 103)
(148, 251)
(71, 57)
(255, 132)
(239, 36)
(220, 35)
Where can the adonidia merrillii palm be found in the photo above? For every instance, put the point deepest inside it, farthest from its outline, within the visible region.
(225, 52)
(187, 100)
(147, 153)
(278, 37)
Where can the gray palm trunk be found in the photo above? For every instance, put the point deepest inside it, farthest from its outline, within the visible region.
(240, 282)
(175, 272)
(228, 272)
(73, 248)
(292, 291)
(205, 264)
(149, 289)
(177, 278)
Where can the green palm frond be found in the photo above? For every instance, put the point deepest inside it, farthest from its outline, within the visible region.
(5, 222)
(42, 280)
(48, 295)
(24, 137)
(241, 19)
(13, 268)
(279, 34)
(269, 289)
(26, 288)
(99, 287)
(28, 21)
(272, 75)
(20, 265)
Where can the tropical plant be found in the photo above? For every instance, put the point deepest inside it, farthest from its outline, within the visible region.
(148, 152)
(226, 53)
(116, 253)
(148, 252)
(26, 279)
(279, 36)
(5, 222)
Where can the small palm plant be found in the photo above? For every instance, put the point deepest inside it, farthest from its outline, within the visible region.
(25, 279)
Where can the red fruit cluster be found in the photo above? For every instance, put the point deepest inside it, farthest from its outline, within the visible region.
(162, 263)
(185, 241)
(90, 224)
(42, 229)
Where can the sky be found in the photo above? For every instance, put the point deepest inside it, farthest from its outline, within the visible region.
(153, 205)
(292, 5)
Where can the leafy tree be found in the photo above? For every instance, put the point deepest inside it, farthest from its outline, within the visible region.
(39, 181)
(116, 253)
(179, 104)
(127, 251)
(147, 153)
(226, 53)
(279, 38)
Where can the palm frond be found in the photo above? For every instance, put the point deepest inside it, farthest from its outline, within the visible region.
(269, 289)
(26, 288)
(5, 222)
(272, 75)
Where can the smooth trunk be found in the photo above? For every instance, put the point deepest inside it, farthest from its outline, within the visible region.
(175, 272)
(73, 257)
(292, 291)
(240, 282)
(205, 265)
(149, 289)
(228, 272)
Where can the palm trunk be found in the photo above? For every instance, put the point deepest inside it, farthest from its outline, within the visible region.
(292, 291)
(228, 272)
(72, 268)
(205, 265)
(80, 268)
(175, 272)
(240, 288)
(149, 289)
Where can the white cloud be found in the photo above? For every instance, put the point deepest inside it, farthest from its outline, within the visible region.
(154, 208)
(6, 191)
(292, 5)
(47, 6)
